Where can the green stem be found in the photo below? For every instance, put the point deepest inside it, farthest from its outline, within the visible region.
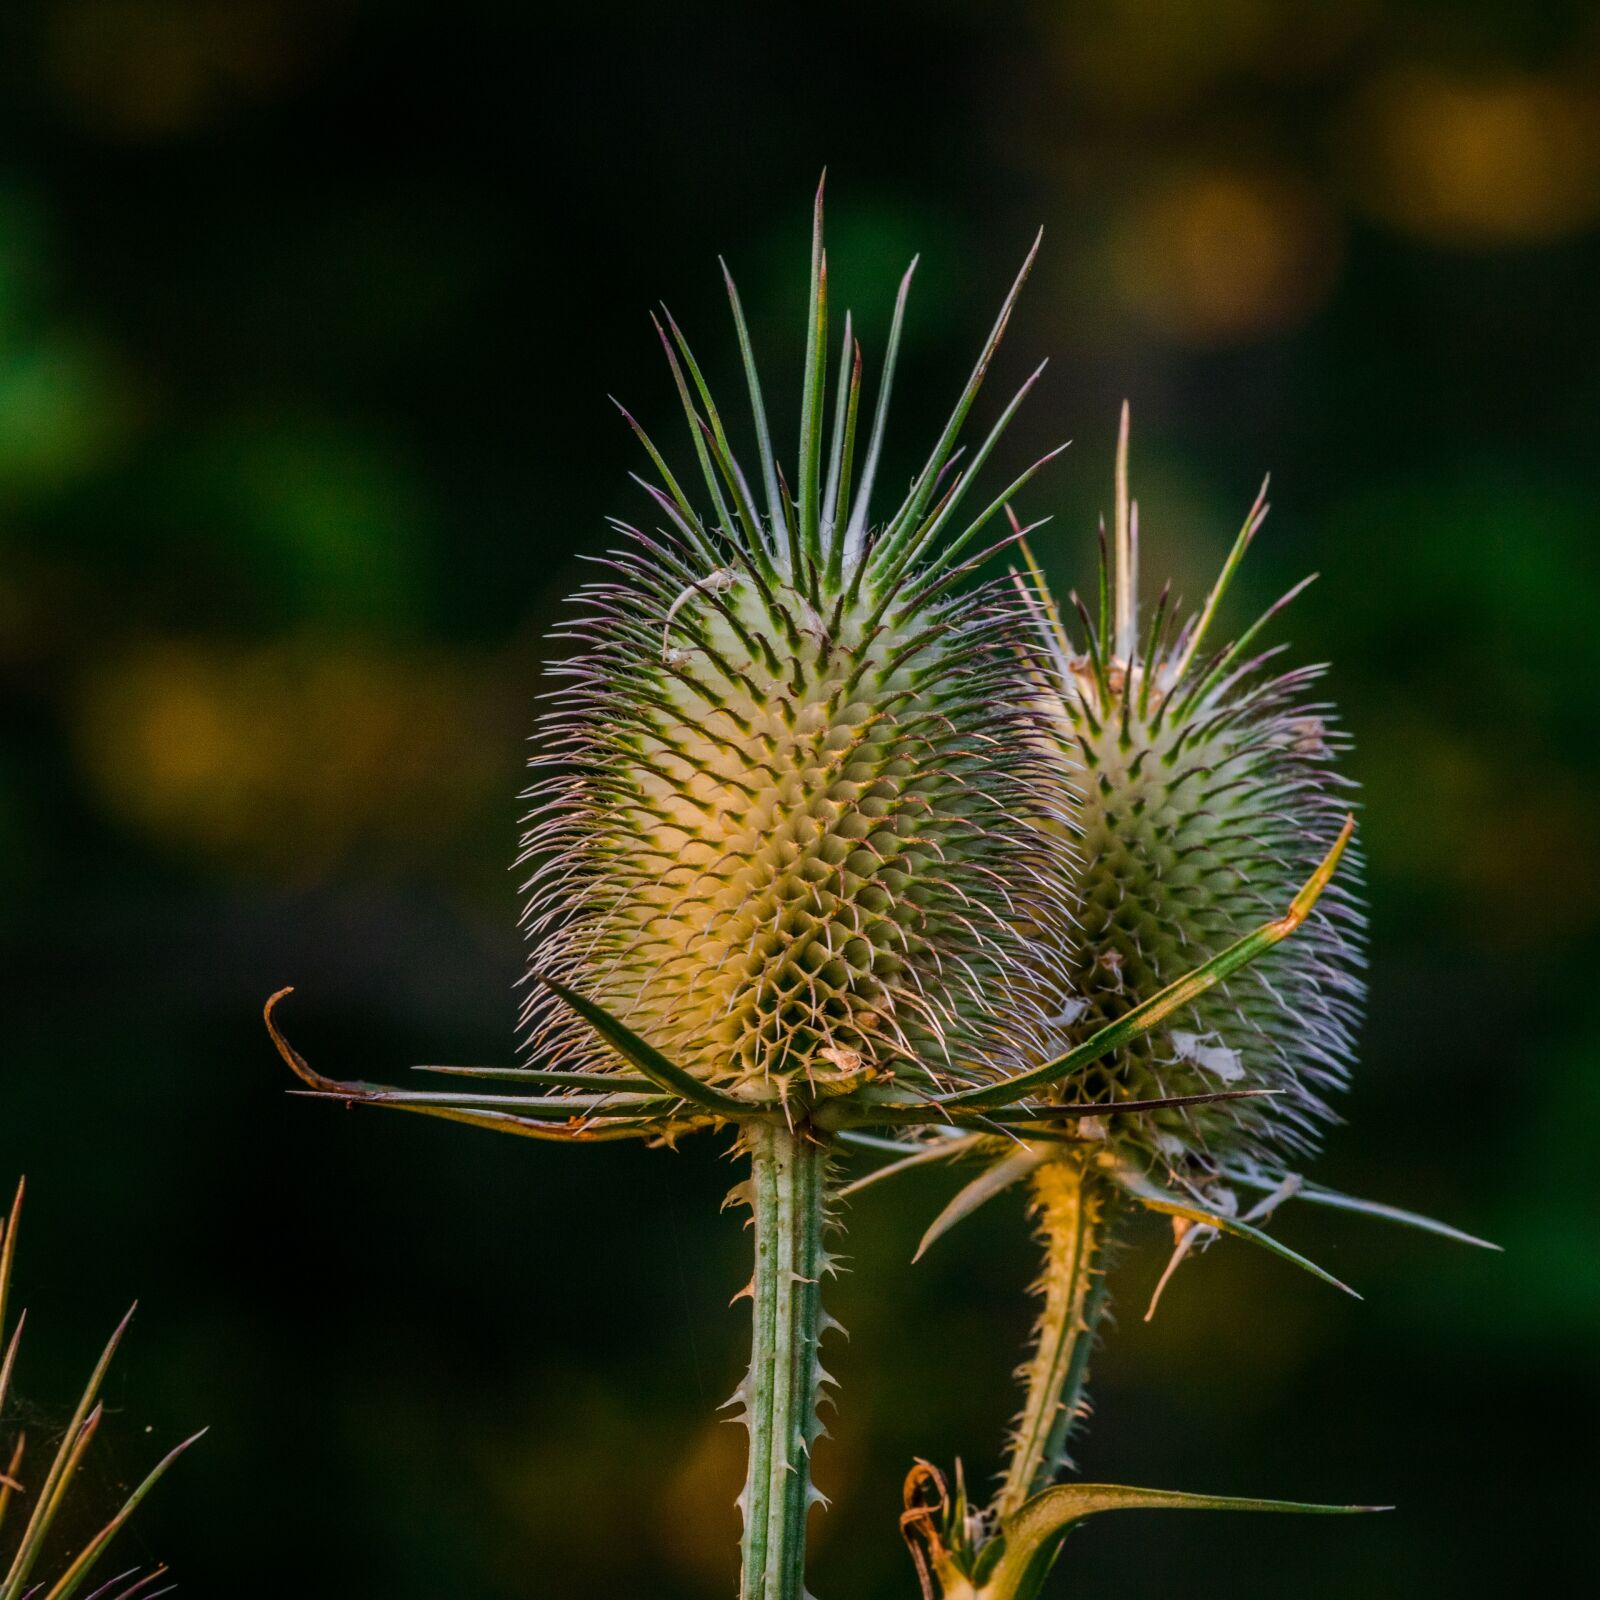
(787, 1194)
(1070, 1205)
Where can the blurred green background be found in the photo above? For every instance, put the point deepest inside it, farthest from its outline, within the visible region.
(308, 314)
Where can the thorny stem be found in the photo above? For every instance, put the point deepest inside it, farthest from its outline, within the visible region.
(787, 1196)
(1071, 1207)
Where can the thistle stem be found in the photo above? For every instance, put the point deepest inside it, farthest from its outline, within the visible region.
(1071, 1208)
(787, 1194)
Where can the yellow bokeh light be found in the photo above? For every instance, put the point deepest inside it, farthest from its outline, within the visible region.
(281, 759)
(1515, 160)
(1217, 256)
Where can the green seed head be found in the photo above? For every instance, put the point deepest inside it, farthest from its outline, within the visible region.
(1209, 792)
(794, 804)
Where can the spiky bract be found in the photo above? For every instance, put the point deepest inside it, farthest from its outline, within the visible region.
(1210, 791)
(791, 823)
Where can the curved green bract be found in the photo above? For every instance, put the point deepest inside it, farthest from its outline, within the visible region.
(1033, 1536)
(645, 1057)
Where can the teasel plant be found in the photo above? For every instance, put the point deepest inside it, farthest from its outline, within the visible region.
(33, 1494)
(1208, 786)
(798, 829)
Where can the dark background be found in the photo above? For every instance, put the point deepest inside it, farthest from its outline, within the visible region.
(308, 314)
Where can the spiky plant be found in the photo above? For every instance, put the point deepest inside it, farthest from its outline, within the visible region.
(802, 868)
(31, 1501)
(1208, 791)
(799, 828)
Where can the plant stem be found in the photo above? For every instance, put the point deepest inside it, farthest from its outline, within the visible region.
(787, 1195)
(1071, 1207)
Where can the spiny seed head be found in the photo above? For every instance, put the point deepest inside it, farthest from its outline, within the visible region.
(794, 796)
(1210, 790)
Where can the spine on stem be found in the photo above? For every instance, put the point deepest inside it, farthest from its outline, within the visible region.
(1070, 1207)
(787, 1195)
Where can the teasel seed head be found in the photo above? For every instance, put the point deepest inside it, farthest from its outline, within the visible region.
(794, 807)
(1210, 789)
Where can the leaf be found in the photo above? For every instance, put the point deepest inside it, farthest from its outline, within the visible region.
(990, 1182)
(919, 1157)
(553, 1108)
(528, 1127)
(600, 1082)
(1033, 1535)
(1334, 1201)
(355, 1093)
(1153, 1197)
(647, 1058)
(301, 1068)
(872, 1141)
(1048, 1111)
(480, 1111)
(1032, 1119)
